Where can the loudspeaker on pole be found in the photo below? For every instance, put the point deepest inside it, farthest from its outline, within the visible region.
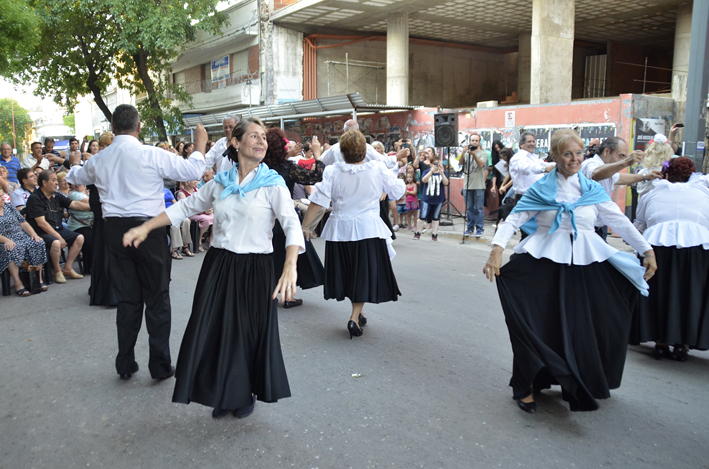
(446, 129)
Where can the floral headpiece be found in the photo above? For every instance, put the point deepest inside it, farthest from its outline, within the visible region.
(665, 165)
(659, 138)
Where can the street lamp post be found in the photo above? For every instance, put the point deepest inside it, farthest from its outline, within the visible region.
(14, 139)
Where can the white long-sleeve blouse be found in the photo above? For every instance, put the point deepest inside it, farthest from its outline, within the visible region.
(558, 246)
(675, 214)
(354, 190)
(243, 225)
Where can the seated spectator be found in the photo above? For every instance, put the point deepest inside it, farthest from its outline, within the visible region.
(45, 209)
(63, 184)
(36, 159)
(104, 140)
(208, 176)
(91, 150)
(82, 222)
(6, 185)
(20, 243)
(9, 161)
(55, 157)
(178, 235)
(205, 219)
(188, 149)
(28, 183)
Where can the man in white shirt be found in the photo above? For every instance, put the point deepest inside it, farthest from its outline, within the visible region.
(214, 155)
(333, 154)
(129, 178)
(525, 167)
(36, 159)
(612, 157)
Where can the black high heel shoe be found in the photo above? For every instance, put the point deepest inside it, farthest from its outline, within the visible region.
(362, 320)
(529, 407)
(355, 330)
(662, 351)
(680, 353)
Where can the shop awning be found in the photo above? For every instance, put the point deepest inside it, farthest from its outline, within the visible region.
(332, 106)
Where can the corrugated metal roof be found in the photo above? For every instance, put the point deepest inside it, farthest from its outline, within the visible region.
(334, 105)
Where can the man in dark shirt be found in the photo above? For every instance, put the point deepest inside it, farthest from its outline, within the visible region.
(56, 157)
(45, 210)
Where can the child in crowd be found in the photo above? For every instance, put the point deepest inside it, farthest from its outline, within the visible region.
(412, 201)
(401, 204)
(433, 196)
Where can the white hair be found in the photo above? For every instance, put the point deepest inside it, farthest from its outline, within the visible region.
(229, 117)
(377, 143)
(351, 125)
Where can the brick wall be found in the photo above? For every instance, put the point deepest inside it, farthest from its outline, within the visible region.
(253, 59)
(278, 4)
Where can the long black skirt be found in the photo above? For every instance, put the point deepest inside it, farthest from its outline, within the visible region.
(231, 348)
(677, 310)
(359, 270)
(101, 292)
(568, 325)
(311, 272)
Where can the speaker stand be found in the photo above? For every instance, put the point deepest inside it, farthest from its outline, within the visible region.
(448, 221)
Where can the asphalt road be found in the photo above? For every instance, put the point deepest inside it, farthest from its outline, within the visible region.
(432, 388)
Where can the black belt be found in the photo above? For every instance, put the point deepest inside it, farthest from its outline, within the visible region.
(117, 219)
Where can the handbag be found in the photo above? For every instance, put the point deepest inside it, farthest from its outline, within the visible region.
(30, 278)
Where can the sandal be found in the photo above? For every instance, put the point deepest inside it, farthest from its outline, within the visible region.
(187, 252)
(176, 255)
(43, 287)
(23, 292)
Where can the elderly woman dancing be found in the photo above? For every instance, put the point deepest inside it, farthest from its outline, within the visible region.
(231, 352)
(567, 296)
(674, 218)
(357, 249)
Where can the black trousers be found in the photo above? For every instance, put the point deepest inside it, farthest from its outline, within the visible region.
(140, 277)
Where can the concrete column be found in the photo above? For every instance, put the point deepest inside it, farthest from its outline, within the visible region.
(398, 59)
(524, 67)
(680, 59)
(552, 51)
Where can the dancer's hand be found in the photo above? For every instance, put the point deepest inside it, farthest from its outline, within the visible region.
(306, 233)
(135, 236)
(287, 283)
(650, 264)
(493, 264)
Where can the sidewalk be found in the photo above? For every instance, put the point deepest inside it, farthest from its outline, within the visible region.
(455, 231)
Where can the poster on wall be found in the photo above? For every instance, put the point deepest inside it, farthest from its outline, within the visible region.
(645, 130)
(220, 72)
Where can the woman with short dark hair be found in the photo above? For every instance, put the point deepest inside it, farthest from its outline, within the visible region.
(358, 249)
(568, 297)
(674, 219)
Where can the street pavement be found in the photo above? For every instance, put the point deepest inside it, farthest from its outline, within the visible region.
(426, 386)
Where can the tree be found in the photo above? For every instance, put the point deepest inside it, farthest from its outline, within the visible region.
(22, 119)
(150, 35)
(85, 44)
(70, 121)
(19, 25)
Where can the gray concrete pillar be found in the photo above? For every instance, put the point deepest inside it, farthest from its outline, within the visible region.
(398, 59)
(680, 59)
(524, 67)
(552, 51)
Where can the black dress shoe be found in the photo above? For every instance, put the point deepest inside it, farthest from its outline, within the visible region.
(246, 411)
(170, 374)
(354, 329)
(529, 407)
(129, 374)
(292, 304)
(680, 353)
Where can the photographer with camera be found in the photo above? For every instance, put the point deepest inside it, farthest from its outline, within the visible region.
(433, 196)
(474, 162)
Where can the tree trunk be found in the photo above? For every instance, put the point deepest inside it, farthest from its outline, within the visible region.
(141, 63)
(98, 99)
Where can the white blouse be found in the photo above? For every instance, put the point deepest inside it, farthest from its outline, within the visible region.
(558, 246)
(355, 190)
(243, 225)
(675, 214)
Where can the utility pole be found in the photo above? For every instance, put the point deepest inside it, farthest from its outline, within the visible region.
(695, 120)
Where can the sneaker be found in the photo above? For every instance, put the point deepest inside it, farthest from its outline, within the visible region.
(417, 235)
(434, 237)
(478, 233)
(395, 227)
(468, 233)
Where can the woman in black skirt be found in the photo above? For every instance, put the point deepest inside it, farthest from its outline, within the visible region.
(567, 296)
(674, 218)
(310, 268)
(231, 352)
(358, 250)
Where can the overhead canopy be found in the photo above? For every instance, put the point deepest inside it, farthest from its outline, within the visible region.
(332, 106)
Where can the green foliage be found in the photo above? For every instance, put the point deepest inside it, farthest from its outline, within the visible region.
(20, 27)
(70, 121)
(22, 118)
(84, 44)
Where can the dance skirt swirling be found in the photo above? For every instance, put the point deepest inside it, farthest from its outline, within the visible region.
(568, 325)
(311, 272)
(231, 348)
(359, 270)
(677, 310)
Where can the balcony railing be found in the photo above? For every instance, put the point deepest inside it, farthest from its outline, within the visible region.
(206, 86)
